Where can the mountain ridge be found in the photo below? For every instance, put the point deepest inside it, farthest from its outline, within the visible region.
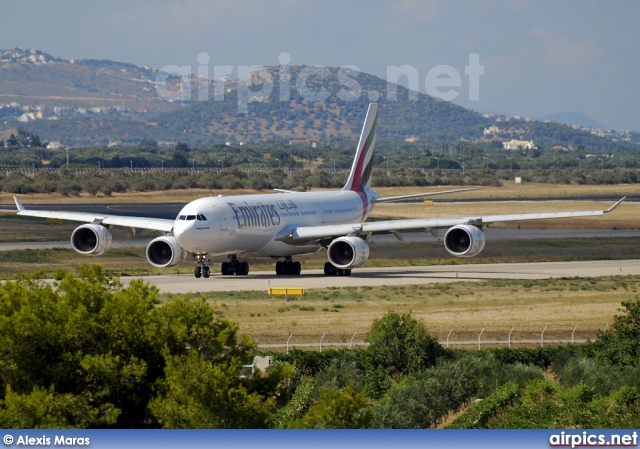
(118, 103)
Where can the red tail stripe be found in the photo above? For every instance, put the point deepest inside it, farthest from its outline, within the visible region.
(355, 185)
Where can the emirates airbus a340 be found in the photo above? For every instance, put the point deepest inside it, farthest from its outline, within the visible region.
(286, 224)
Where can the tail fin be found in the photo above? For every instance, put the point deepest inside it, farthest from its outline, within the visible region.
(360, 176)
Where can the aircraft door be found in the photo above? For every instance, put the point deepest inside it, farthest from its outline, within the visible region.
(320, 211)
(222, 217)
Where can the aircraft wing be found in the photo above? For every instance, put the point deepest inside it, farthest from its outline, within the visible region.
(306, 234)
(154, 224)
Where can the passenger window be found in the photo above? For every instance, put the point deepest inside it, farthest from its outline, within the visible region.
(182, 217)
(191, 217)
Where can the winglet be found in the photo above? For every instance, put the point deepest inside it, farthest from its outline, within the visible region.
(612, 208)
(18, 204)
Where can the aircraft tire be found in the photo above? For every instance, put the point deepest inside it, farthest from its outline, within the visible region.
(245, 268)
(206, 272)
(279, 268)
(197, 272)
(330, 270)
(296, 268)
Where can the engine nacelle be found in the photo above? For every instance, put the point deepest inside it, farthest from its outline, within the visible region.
(165, 251)
(91, 239)
(464, 241)
(348, 252)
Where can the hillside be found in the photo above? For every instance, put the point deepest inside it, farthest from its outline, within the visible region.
(86, 102)
(38, 82)
(339, 115)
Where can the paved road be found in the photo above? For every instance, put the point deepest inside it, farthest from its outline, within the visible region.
(395, 276)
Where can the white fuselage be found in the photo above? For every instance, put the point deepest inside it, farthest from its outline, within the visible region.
(249, 223)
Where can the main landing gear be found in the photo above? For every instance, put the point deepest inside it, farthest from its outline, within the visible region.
(230, 268)
(288, 267)
(234, 267)
(331, 270)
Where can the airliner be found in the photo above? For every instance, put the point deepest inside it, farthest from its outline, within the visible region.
(287, 224)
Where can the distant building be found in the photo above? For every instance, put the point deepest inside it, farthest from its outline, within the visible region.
(303, 141)
(519, 145)
(54, 146)
(491, 130)
(24, 118)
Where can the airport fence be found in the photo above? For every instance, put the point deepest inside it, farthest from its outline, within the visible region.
(482, 339)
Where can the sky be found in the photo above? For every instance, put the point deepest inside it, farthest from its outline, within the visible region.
(538, 57)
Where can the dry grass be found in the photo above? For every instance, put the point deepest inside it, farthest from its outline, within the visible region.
(510, 189)
(466, 308)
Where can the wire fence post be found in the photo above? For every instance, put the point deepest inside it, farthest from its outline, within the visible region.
(509, 338)
(480, 335)
(321, 341)
(288, 343)
(574, 331)
(542, 337)
(606, 327)
(448, 337)
(354, 336)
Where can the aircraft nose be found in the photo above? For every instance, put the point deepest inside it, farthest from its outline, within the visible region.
(181, 231)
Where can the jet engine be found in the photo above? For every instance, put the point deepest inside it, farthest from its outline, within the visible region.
(165, 251)
(91, 239)
(464, 241)
(348, 252)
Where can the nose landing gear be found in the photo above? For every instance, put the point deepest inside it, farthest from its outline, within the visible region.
(202, 270)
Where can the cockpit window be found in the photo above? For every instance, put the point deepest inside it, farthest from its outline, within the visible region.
(191, 217)
(182, 217)
(202, 217)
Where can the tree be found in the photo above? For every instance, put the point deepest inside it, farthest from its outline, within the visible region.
(401, 344)
(149, 145)
(423, 398)
(87, 352)
(182, 147)
(337, 409)
(13, 142)
(202, 394)
(620, 345)
(178, 160)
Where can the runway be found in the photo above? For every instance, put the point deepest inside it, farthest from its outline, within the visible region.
(311, 279)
